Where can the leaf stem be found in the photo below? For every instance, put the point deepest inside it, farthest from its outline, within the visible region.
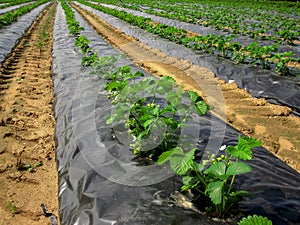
(232, 180)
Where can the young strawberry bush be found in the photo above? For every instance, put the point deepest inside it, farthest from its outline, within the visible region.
(149, 107)
(213, 179)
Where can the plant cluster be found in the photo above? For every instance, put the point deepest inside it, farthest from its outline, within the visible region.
(12, 16)
(265, 56)
(151, 108)
(154, 109)
(213, 178)
(81, 41)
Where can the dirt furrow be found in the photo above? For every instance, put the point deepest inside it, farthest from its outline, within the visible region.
(273, 124)
(28, 172)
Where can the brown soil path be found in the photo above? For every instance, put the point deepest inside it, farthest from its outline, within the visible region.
(273, 124)
(27, 127)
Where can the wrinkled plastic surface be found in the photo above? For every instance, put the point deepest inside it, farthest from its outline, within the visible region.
(87, 154)
(259, 82)
(11, 35)
(202, 30)
(11, 8)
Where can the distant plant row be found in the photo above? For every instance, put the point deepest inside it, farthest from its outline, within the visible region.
(12, 16)
(12, 3)
(267, 57)
(250, 21)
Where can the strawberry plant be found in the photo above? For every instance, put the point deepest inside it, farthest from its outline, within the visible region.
(214, 178)
(148, 115)
(281, 60)
(89, 59)
(83, 43)
(151, 109)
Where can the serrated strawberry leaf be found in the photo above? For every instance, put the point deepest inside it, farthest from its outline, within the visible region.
(215, 191)
(238, 168)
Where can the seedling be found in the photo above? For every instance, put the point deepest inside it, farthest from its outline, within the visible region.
(30, 167)
(12, 207)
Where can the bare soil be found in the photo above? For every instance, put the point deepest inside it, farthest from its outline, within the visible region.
(27, 128)
(27, 123)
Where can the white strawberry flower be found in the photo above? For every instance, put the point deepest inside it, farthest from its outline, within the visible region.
(223, 147)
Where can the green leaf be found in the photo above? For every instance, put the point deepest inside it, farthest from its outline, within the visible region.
(217, 170)
(142, 134)
(255, 220)
(160, 91)
(194, 96)
(146, 116)
(182, 163)
(174, 98)
(198, 167)
(167, 109)
(215, 191)
(112, 118)
(201, 107)
(155, 111)
(243, 149)
(165, 156)
(240, 193)
(199, 104)
(112, 85)
(189, 182)
(148, 122)
(246, 154)
(238, 168)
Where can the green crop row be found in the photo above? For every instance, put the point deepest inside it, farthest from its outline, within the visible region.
(135, 104)
(10, 17)
(14, 3)
(73, 25)
(265, 56)
(266, 26)
(286, 8)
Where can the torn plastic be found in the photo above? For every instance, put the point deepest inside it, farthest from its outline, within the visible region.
(246, 76)
(94, 166)
(11, 35)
